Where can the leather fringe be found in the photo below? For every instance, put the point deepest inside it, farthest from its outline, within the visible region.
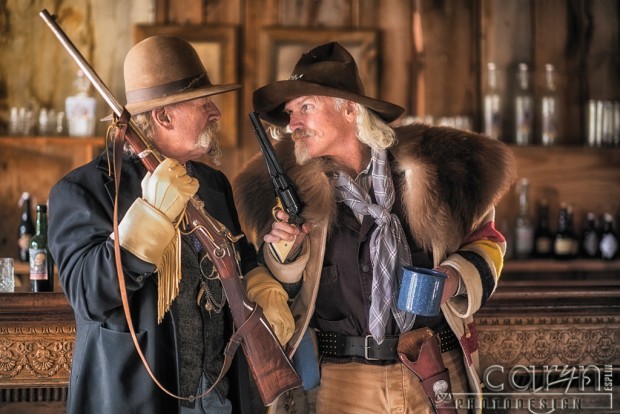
(169, 276)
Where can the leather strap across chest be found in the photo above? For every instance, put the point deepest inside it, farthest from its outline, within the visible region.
(237, 337)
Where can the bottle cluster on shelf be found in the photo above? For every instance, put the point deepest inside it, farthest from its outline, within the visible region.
(24, 121)
(77, 119)
(603, 123)
(534, 236)
(535, 114)
(525, 109)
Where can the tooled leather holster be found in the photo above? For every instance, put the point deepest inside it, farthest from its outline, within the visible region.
(420, 351)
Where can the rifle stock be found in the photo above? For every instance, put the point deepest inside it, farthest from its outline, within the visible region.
(269, 365)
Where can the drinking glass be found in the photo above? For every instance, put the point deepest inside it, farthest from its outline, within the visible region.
(7, 278)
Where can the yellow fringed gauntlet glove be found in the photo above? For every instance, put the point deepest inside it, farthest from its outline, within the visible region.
(145, 232)
(168, 188)
(267, 292)
(148, 226)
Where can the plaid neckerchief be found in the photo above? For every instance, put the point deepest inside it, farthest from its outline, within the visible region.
(389, 251)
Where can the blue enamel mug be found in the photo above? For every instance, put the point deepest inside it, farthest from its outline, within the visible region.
(421, 290)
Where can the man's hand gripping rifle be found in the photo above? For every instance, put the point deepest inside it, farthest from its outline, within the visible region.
(286, 194)
(272, 370)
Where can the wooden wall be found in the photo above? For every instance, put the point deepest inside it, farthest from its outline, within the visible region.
(429, 58)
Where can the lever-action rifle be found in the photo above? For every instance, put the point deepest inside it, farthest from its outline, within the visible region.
(286, 194)
(272, 370)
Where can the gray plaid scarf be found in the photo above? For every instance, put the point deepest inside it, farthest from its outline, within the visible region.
(389, 251)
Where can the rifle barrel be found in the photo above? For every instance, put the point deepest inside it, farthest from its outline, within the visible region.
(82, 63)
(90, 73)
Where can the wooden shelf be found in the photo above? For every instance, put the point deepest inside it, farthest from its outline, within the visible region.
(34, 164)
(52, 139)
(584, 271)
(551, 265)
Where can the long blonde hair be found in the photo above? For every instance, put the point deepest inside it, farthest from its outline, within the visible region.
(371, 129)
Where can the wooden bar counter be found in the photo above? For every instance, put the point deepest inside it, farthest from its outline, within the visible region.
(551, 322)
(551, 332)
(37, 332)
(531, 323)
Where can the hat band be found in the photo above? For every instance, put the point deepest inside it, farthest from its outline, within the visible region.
(161, 91)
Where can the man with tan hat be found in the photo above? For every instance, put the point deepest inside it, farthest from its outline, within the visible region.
(182, 334)
(377, 200)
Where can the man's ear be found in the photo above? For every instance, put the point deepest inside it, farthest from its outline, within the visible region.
(350, 110)
(161, 117)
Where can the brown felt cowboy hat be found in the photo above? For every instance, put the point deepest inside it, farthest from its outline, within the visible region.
(163, 70)
(326, 70)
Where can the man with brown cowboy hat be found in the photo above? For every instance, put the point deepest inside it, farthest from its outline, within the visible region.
(376, 199)
(182, 334)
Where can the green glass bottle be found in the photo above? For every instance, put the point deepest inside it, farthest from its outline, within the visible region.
(25, 230)
(41, 262)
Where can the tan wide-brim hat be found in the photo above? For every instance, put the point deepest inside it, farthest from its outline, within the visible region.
(163, 70)
(326, 70)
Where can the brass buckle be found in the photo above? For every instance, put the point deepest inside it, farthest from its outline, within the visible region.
(366, 347)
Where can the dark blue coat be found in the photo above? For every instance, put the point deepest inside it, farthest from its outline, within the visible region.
(107, 375)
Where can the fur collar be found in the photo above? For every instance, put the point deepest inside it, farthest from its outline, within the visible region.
(451, 178)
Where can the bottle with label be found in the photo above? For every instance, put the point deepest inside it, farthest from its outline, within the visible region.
(549, 109)
(564, 243)
(543, 238)
(524, 229)
(609, 239)
(25, 231)
(80, 109)
(492, 104)
(41, 262)
(524, 107)
(590, 238)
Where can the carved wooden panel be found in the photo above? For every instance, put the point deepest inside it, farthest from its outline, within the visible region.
(36, 354)
(37, 332)
(546, 346)
(542, 340)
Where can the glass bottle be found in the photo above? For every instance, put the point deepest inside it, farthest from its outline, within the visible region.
(564, 240)
(609, 239)
(590, 238)
(80, 109)
(524, 105)
(543, 237)
(41, 261)
(524, 230)
(549, 109)
(506, 228)
(25, 230)
(492, 104)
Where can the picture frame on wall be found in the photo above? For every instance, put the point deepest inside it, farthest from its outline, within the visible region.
(217, 47)
(280, 49)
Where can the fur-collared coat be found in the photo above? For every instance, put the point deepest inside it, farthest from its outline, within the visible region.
(452, 181)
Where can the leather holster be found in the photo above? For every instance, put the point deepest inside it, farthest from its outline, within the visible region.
(420, 351)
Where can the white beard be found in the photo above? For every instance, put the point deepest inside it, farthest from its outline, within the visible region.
(208, 140)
